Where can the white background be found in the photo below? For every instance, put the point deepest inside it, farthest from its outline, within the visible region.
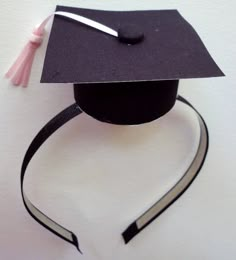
(94, 178)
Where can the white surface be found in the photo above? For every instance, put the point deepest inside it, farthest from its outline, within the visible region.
(96, 178)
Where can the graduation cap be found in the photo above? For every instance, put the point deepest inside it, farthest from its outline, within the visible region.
(125, 67)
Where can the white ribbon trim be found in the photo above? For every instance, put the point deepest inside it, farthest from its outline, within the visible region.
(88, 22)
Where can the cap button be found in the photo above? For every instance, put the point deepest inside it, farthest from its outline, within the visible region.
(130, 34)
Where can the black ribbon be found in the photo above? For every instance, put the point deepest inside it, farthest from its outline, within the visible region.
(179, 188)
(144, 220)
(55, 123)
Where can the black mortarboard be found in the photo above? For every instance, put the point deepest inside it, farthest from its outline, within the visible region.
(126, 83)
(129, 79)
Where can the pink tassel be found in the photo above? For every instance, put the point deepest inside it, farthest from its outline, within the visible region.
(19, 72)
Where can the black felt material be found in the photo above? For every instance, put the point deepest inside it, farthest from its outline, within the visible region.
(130, 34)
(127, 103)
(171, 49)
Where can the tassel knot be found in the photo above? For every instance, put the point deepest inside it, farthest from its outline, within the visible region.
(36, 39)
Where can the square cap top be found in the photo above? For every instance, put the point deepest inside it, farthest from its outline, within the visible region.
(171, 49)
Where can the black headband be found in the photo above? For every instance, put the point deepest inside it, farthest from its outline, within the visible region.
(144, 220)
